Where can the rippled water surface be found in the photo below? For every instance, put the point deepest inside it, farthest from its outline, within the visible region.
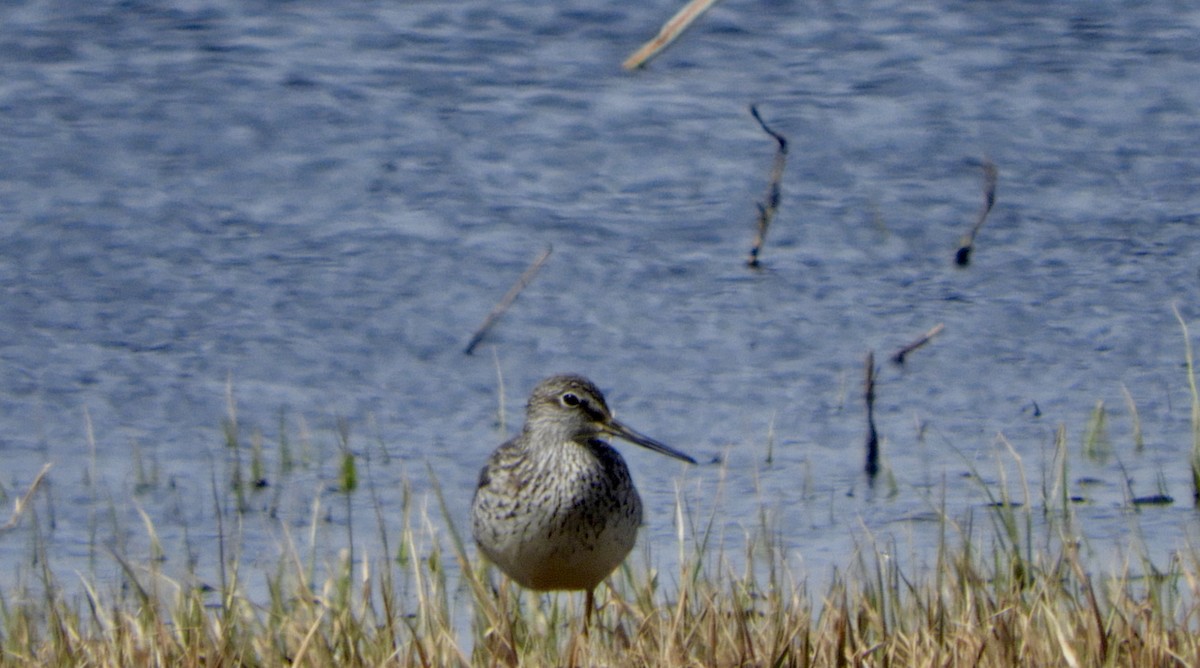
(315, 205)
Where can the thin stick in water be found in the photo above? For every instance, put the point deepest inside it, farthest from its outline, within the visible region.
(962, 257)
(508, 299)
(872, 465)
(898, 358)
(673, 28)
(767, 209)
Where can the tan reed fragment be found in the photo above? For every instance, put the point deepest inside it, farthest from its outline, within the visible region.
(20, 504)
(898, 358)
(673, 28)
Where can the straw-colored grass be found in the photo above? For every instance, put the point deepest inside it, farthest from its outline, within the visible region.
(989, 599)
(1004, 584)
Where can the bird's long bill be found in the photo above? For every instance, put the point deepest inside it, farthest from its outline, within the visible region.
(617, 429)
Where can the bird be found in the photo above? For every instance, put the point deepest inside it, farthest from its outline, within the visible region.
(555, 507)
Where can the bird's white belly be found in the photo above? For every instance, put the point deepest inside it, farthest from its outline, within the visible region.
(544, 556)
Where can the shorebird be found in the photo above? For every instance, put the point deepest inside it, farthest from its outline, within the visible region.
(555, 507)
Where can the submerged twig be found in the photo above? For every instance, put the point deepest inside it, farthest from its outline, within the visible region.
(673, 28)
(766, 209)
(507, 300)
(898, 358)
(20, 504)
(872, 466)
(963, 256)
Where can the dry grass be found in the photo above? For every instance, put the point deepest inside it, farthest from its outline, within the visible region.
(987, 601)
(990, 593)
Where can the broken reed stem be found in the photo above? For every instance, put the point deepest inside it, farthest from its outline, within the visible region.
(1139, 442)
(898, 358)
(20, 504)
(766, 210)
(673, 28)
(508, 299)
(963, 256)
(1189, 360)
(872, 465)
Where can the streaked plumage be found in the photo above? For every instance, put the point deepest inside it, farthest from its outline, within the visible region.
(555, 507)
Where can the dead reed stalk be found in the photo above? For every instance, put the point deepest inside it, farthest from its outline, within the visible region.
(768, 207)
(872, 465)
(670, 30)
(962, 257)
(901, 354)
(508, 299)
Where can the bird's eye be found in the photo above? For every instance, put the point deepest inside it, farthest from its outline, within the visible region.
(570, 399)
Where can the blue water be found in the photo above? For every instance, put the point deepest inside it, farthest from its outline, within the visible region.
(316, 204)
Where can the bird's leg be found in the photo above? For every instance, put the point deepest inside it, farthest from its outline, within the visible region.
(589, 603)
(507, 636)
(506, 614)
(574, 647)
